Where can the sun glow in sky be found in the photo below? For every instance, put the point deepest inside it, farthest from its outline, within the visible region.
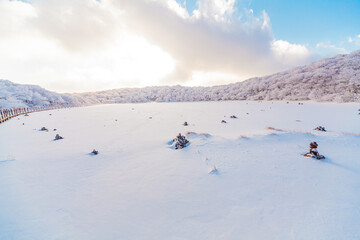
(90, 45)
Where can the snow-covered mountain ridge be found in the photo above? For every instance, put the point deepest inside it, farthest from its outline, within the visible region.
(23, 95)
(332, 79)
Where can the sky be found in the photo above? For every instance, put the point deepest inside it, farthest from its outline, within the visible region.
(91, 45)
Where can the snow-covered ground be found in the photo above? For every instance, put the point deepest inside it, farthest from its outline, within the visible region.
(140, 188)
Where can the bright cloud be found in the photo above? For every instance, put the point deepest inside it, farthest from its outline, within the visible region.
(354, 41)
(290, 53)
(215, 10)
(86, 45)
(177, 8)
(332, 47)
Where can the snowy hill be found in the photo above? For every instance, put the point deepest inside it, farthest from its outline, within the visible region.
(333, 79)
(20, 95)
(137, 187)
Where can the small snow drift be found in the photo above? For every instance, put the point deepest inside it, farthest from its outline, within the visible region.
(320, 128)
(9, 158)
(313, 153)
(194, 134)
(180, 142)
(243, 137)
(275, 129)
(58, 137)
(214, 170)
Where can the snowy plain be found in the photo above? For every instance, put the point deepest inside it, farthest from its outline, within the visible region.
(140, 188)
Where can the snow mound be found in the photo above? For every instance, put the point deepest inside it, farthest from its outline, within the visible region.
(194, 134)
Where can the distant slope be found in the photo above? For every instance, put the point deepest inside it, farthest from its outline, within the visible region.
(332, 79)
(20, 95)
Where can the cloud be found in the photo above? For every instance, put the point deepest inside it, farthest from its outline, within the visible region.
(90, 44)
(331, 47)
(53, 44)
(355, 40)
(290, 53)
(214, 38)
(177, 8)
(215, 10)
(78, 25)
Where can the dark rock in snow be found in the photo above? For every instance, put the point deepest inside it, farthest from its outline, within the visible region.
(180, 142)
(313, 153)
(58, 137)
(320, 128)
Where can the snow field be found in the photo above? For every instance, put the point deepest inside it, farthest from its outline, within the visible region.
(140, 188)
